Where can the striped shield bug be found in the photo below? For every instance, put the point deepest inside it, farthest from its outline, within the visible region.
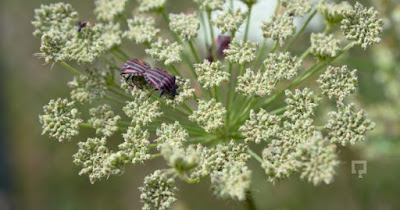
(221, 43)
(161, 80)
(134, 68)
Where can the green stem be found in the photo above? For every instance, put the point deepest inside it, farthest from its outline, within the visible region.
(254, 155)
(213, 47)
(203, 22)
(70, 68)
(259, 54)
(216, 93)
(155, 156)
(279, 110)
(114, 100)
(289, 46)
(152, 146)
(85, 125)
(119, 93)
(195, 55)
(124, 55)
(105, 59)
(246, 33)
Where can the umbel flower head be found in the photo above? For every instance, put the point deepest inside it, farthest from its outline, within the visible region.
(233, 181)
(210, 5)
(158, 191)
(319, 160)
(55, 17)
(86, 45)
(91, 156)
(52, 45)
(241, 52)
(209, 115)
(348, 126)
(260, 126)
(323, 46)
(140, 109)
(135, 145)
(165, 51)
(229, 20)
(104, 120)
(108, 10)
(297, 7)
(88, 87)
(172, 135)
(186, 26)
(277, 67)
(60, 119)
(279, 29)
(338, 82)
(300, 104)
(141, 30)
(334, 13)
(150, 5)
(211, 74)
(362, 26)
(111, 35)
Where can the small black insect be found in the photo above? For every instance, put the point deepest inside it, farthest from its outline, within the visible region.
(82, 24)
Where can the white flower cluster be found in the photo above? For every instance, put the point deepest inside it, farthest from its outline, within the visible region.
(362, 26)
(277, 67)
(211, 74)
(297, 7)
(135, 145)
(338, 82)
(241, 52)
(348, 126)
(141, 29)
(260, 127)
(186, 26)
(165, 51)
(209, 115)
(323, 46)
(150, 5)
(280, 28)
(229, 20)
(104, 120)
(88, 87)
(108, 10)
(140, 109)
(158, 191)
(60, 119)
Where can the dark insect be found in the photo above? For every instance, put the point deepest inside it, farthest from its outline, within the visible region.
(82, 24)
(134, 69)
(221, 43)
(161, 80)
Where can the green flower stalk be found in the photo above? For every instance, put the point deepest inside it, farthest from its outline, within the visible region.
(202, 116)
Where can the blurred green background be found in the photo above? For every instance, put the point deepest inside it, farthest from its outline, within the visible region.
(38, 173)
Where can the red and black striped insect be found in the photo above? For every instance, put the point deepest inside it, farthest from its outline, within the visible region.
(221, 43)
(134, 68)
(161, 80)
